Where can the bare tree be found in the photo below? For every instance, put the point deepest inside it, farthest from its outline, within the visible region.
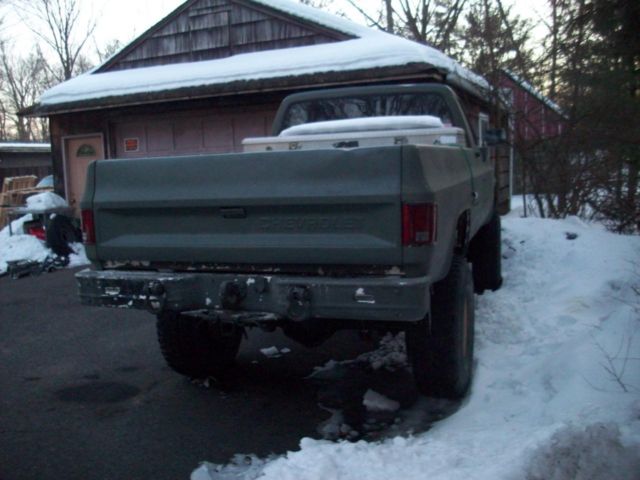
(588, 64)
(23, 81)
(494, 38)
(375, 17)
(109, 49)
(4, 134)
(432, 22)
(593, 168)
(316, 3)
(59, 25)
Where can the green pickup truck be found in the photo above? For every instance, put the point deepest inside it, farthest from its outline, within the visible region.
(368, 208)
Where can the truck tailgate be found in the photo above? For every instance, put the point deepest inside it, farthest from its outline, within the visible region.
(324, 207)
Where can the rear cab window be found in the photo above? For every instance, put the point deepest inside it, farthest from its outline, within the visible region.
(369, 105)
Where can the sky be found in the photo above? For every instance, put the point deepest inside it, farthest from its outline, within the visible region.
(126, 19)
(145, 13)
(117, 19)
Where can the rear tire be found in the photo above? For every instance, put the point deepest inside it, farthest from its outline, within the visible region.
(440, 347)
(197, 347)
(486, 257)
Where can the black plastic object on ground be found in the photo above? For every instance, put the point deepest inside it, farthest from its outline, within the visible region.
(60, 233)
(23, 268)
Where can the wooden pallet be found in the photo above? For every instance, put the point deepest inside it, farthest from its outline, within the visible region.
(19, 183)
(15, 191)
(4, 212)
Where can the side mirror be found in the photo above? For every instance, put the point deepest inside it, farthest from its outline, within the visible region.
(495, 136)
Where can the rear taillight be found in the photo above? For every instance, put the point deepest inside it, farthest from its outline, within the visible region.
(419, 224)
(88, 228)
(38, 232)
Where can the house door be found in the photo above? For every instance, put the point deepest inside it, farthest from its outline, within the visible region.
(79, 152)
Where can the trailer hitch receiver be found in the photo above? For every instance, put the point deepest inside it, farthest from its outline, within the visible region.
(232, 294)
(299, 303)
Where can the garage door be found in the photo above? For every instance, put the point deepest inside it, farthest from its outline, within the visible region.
(186, 135)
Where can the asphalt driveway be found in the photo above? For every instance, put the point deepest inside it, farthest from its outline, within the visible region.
(85, 394)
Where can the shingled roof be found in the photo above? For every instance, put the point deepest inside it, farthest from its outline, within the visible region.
(352, 51)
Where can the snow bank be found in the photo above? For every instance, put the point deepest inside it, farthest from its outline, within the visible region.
(544, 403)
(45, 200)
(79, 258)
(27, 247)
(592, 453)
(368, 124)
(21, 247)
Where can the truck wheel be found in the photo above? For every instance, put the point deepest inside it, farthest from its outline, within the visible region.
(60, 233)
(486, 257)
(440, 347)
(197, 347)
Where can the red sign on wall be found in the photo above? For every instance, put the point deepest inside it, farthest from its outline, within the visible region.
(131, 145)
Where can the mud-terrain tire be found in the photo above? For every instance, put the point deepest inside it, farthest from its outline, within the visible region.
(440, 347)
(60, 234)
(197, 347)
(485, 256)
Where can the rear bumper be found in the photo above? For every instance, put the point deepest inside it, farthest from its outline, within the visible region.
(386, 298)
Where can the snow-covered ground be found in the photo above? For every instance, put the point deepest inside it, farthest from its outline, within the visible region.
(20, 246)
(557, 379)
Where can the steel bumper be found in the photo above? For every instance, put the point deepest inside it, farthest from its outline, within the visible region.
(383, 298)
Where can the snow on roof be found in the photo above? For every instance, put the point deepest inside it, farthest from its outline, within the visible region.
(315, 15)
(24, 147)
(368, 124)
(535, 92)
(461, 76)
(372, 49)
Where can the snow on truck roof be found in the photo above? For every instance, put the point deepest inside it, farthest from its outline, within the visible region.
(368, 124)
(371, 48)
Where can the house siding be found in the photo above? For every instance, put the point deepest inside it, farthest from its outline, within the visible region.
(180, 128)
(208, 30)
(15, 164)
(534, 119)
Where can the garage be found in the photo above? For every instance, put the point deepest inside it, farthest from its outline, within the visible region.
(213, 72)
(188, 134)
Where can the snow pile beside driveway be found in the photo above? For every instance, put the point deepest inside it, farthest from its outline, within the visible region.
(27, 247)
(555, 394)
(45, 200)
